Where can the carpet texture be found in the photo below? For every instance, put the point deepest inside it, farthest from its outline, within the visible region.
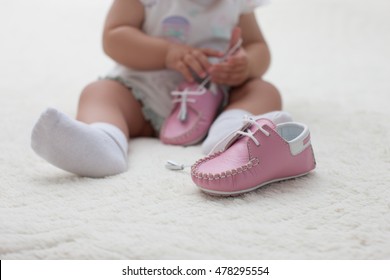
(331, 63)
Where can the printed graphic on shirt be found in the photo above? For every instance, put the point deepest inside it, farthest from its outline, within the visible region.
(176, 29)
(221, 26)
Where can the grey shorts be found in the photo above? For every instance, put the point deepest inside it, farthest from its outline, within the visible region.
(149, 114)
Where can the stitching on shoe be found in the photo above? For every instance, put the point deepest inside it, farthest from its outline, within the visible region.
(226, 174)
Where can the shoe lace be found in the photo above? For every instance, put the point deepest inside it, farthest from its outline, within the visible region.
(182, 97)
(249, 133)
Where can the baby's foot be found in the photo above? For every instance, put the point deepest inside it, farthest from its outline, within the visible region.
(95, 150)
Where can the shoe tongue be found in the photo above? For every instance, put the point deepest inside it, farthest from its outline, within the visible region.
(264, 121)
(241, 142)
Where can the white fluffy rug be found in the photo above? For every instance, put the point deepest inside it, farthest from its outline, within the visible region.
(331, 61)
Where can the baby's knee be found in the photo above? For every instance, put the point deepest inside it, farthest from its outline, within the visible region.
(90, 91)
(260, 88)
(272, 92)
(100, 90)
(263, 86)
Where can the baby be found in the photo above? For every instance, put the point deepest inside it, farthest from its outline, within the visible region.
(208, 53)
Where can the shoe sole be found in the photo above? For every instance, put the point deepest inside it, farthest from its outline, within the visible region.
(219, 193)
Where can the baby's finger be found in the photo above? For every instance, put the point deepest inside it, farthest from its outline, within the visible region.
(193, 64)
(231, 79)
(235, 36)
(226, 67)
(211, 52)
(183, 69)
(237, 60)
(203, 62)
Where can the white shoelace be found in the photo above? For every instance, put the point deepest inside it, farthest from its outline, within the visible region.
(249, 133)
(182, 98)
(172, 165)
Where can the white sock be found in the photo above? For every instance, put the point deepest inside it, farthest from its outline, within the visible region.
(95, 150)
(231, 120)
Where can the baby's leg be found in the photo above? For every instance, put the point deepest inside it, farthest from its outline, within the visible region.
(255, 97)
(110, 101)
(95, 145)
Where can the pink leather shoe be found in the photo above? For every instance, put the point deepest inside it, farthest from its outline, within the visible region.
(258, 154)
(192, 115)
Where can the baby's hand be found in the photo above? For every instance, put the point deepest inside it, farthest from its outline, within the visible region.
(185, 59)
(232, 72)
(235, 70)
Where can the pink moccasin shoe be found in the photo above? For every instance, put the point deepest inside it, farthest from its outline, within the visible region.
(258, 154)
(192, 115)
